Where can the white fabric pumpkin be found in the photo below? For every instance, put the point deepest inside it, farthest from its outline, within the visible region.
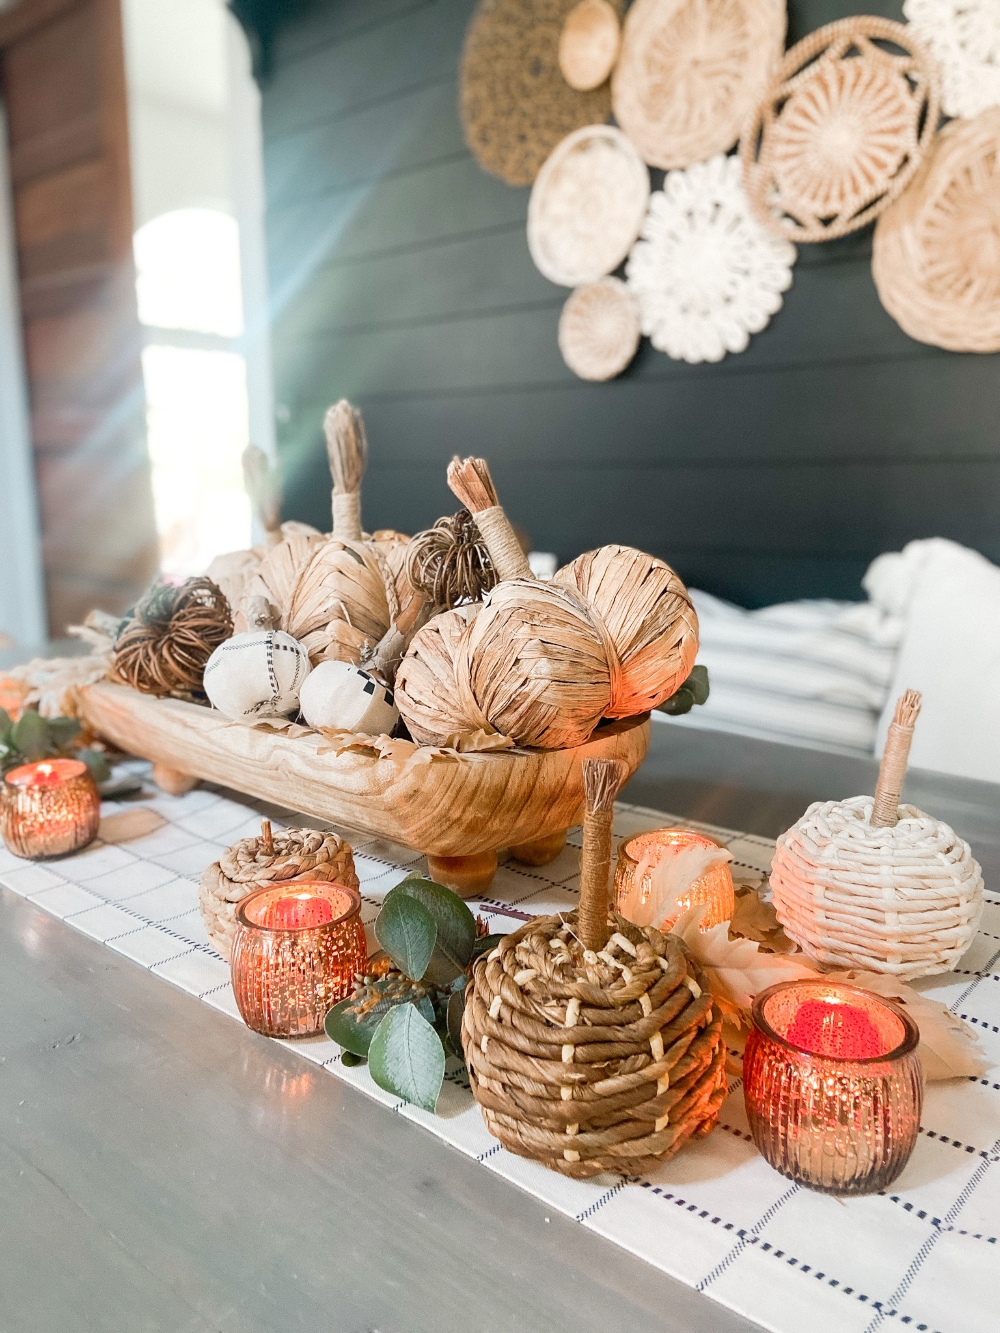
(343, 697)
(257, 674)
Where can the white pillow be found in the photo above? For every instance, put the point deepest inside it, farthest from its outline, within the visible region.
(950, 652)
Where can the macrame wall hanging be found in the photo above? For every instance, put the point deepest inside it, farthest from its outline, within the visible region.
(691, 71)
(936, 253)
(963, 36)
(842, 129)
(706, 273)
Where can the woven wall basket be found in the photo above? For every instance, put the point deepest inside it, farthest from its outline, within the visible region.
(514, 103)
(706, 273)
(691, 71)
(599, 329)
(904, 899)
(963, 36)
(936, 253)
(587, 206)
(588, 44)
(842, 129)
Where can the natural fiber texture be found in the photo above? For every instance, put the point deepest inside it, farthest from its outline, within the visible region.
(599, 329)
(587, 206)
(591, 1062)
(263, 486)
(963, 36)
(426, 689)
(514, 103)
(601, 780)
(347, 452)
(470, 481)
(906, 899)
(286, 855)
(588, 44)
(706, 274)
(173, 633)
(449, 563)
(892, 771)
(648, 616)
(936, 252)
(842, 129)
(691, 71)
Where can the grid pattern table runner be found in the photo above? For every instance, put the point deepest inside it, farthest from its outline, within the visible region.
(922, 1256)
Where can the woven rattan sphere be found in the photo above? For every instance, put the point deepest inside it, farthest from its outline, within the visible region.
(593, 1062)
(426, 690)
(648, 615)
(514, 102)
(842, 129)
(587, 206)
(588, 44)
(904, 899)
(936, 253)
(252, 862)
(599, 329)
(963, 36)
(691, 71)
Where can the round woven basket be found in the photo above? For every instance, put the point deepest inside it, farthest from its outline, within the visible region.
(587, 206)
(905, 899)
(514, 103)
(588, 44)
(254, 862)
(842, 129)
(690, 73)
(599, 329)
(592, 1062)
(936, 252)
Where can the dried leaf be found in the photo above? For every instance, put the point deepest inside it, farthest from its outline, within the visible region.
(755, 919)
(948, 1047)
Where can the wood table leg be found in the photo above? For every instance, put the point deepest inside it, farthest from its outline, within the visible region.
(541, 851)
(172, 782)
(468, 876)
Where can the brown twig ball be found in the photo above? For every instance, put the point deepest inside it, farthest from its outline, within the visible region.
(175, 630)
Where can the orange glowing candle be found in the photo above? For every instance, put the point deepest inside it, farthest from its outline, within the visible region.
(642, 857)
(49, 808)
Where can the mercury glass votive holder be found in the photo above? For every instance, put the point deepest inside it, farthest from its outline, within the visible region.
(640, 854)
(296, 951)
(49, 808)
(833, 1085)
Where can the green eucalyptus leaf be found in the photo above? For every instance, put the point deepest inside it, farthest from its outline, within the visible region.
(456, 927)
(63, 731)
(697, 683)
(456, 1008)
(6, 727)
(485, 945)
(681, 702)
(407, 932)
(96, 761)
(406, 1057)
(354, 1031)
(31, 735)
(350, 1059)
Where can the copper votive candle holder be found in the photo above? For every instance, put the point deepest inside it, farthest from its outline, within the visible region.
(833, 1085)
(297, 949)
(49, 808)
(714, 887)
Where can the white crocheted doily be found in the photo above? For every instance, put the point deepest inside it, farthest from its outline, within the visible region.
(705, 272)
(964, 38)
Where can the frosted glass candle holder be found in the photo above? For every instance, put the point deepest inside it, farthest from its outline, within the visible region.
(714, 887)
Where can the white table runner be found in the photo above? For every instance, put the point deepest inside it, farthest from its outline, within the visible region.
(923, 1257)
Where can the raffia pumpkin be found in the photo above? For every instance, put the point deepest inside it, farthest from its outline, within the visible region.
(649, 618)
(426, 688)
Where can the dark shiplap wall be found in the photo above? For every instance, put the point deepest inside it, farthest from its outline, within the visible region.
(401, 278)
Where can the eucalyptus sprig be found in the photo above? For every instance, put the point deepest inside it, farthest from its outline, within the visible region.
(33, 737)
(407, 1022)
(693, 691)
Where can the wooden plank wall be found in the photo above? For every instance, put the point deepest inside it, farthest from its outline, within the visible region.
(63, 84)
(400, 277)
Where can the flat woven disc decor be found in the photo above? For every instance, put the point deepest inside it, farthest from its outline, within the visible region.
(691, 71)
(587, 206)
(706, 273)
(599, 329)
(936, 253)
(514, 102)
(963, 36)
(842, 130)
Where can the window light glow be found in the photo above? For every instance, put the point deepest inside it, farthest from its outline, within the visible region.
(188, 272)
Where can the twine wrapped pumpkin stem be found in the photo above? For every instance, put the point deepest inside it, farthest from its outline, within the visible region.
(602, 779)
(470, 480)
(892, 771)
(347, 451)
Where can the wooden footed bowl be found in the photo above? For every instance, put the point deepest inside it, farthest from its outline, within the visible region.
(459, 809)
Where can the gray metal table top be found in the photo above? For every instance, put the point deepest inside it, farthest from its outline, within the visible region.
(163, 1170)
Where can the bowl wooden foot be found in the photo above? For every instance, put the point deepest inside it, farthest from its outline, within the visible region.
(541, 851)
(468, 876)
(172, 782)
